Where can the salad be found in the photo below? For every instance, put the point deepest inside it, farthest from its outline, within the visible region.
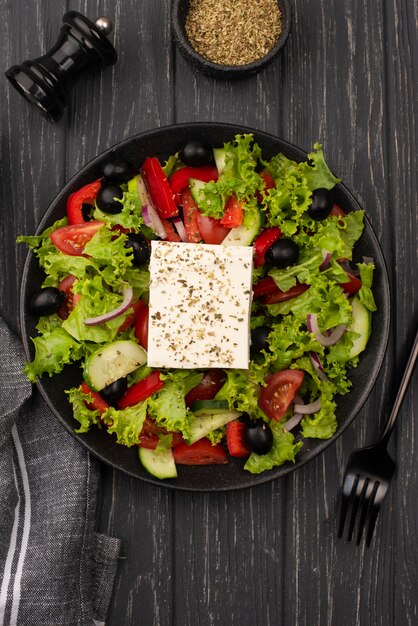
(310, 315)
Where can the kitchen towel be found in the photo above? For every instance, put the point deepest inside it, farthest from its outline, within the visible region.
(55, 570)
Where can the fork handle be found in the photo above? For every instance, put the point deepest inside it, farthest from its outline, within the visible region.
(390, 423)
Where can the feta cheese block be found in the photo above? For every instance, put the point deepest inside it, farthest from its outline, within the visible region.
(199, 305)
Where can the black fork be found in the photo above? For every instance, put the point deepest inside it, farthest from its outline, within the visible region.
(369, 471)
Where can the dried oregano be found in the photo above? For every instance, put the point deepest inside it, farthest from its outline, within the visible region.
(233, 32)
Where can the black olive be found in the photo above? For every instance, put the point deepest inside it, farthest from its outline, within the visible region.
(113, 392)
(118, 171)
(105, 199)
(322, 203)
(196, 154)
(140, 249)
(259, 338)
(259, 437)
(87, 210)
(46, 301)
(282, 253)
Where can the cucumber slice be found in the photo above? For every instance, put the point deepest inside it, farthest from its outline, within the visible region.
(159, 464)
(196, 187)
(219, 154)
(204, 425)
(209, 407)
(113, 361)
(361, 324)
(242, 236)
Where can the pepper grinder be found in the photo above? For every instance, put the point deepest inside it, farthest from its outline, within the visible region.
(47, 81)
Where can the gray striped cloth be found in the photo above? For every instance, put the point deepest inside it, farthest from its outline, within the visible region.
(54, 568)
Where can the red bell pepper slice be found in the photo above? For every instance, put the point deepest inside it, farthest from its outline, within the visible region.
(236, 439)
(172, 234)
(85, 195)
(353, 284)
(130, 319)
(263, 242)
(142, 390)
(97, 403)
(191, 217)
(264, 287)
(233, 213)
(159, 188)
(180, 179)
(268, 183)
(200, 453)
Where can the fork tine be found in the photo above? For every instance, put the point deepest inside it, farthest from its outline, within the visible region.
(345, 496)
(364, 507)
(374, 512)
(354, 499)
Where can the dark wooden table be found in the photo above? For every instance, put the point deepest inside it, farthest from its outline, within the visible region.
(347, 77)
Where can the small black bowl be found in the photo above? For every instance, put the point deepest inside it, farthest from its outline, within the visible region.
(179, 10)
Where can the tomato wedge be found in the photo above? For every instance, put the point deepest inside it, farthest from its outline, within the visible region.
(233, 213)
(130, 319)
(151, 433)
(281, 389)
(282, 296)
(141, 325)
(97, 403)
(191, 217)
(211, 383)
(159, 188)
(180, 179)
(72, 239)
(172, 234)
(200, 453)
(85, 195)
(263, 242)
(66, 285)
(236, 439)
(139, 392)
(212, 230)
(352, 285)
(337, 211)
(268, 183)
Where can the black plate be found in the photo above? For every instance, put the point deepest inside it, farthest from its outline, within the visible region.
(162, 143)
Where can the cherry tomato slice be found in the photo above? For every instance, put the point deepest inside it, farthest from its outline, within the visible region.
(233, 213)
(263, 242)
(180, 179)
(72, 239)
(211, 383)
(337, 211)
(85, 195)
(281, 388)
(200, 453)
(158, 188)
(212, 230)
(172, 234)
(66, 285)
(141, 326)
(282, 296)
(97, 403)
(236, 439)
(139, 392)
(191, 217)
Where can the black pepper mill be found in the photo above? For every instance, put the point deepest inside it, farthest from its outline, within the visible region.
(46, 82)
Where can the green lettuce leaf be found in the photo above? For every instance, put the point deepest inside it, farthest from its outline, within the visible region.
(365, 293)
(130, 215)
(53, 350)
(305, 271)
(284, 449)
(168, 406)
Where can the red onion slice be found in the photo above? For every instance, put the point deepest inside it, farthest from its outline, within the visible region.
(178, 223)
(368, 260)
(325, 340)
(152, 220)
(326, 256)
(319, 368)
(296, 417)
(348, 268)
(308, 409)
(106, 317)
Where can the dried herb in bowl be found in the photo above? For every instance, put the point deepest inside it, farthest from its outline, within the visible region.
(233, 32)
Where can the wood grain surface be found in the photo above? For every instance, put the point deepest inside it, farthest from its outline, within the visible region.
(347, 76)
